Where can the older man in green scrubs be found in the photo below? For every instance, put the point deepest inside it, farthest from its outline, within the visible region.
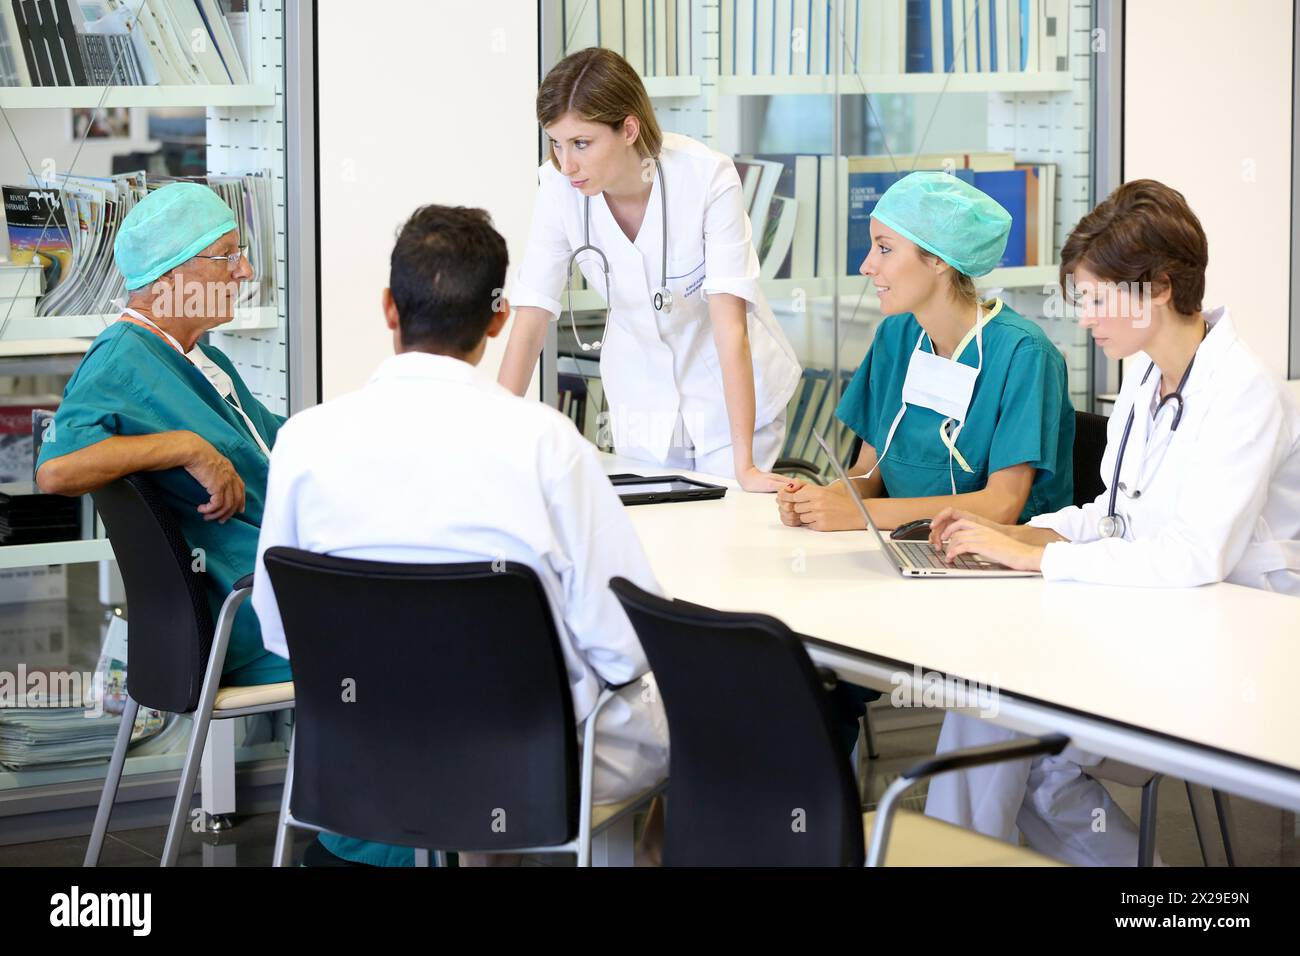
(149, 397)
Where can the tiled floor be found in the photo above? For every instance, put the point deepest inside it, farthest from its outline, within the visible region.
(1263, 836)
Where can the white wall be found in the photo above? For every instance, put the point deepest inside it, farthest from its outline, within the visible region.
(437, 111)
(1207, 110)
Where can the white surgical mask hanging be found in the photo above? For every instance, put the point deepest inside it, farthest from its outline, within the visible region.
(944, 386)
(214, 373)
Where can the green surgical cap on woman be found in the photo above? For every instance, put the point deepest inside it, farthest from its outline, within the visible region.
(949, 218)
(169, 226)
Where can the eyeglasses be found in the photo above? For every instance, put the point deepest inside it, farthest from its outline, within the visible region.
(233, 259)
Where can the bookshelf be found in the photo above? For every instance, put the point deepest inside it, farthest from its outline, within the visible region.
(40, 327)
(90, 97)
(873, 83)
(265, 124)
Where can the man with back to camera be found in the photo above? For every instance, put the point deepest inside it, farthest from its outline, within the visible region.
(539, 495)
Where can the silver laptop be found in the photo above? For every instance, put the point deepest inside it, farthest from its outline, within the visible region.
(920, 559)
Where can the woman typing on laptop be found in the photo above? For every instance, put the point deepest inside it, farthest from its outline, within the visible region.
(959, 403)
(1202, 472)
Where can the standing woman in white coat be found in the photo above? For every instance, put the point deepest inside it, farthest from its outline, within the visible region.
(695, 367)
(1205, 489)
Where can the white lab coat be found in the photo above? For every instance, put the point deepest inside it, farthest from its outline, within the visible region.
(660, 371)
(432, 461)
(1223, 504)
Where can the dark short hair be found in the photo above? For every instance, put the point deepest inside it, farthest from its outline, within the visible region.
(447, 273)
(1143, 232)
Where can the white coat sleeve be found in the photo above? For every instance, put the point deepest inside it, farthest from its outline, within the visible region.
(596, 543)
(541, 277)
(279, 528)
(730, 262)
(1221, 493)
(1075, 523)
(1082, 523)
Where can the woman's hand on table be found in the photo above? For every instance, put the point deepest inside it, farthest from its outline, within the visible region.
(822, 508)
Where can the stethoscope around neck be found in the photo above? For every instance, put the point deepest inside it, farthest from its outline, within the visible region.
(661, 300)
(1113, 525)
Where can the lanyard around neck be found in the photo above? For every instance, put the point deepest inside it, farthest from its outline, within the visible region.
(135, 318)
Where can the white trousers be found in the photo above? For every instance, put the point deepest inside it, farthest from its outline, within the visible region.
(1063, 813)
(768, 442)
(631, 743)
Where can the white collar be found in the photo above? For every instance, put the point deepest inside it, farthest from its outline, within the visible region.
(426, 365)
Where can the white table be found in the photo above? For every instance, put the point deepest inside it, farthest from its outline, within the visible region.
(1198, 683)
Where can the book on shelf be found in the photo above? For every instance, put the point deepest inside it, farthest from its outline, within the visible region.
(758, 38)
(797, 238)
(69, 226)
(1054, 35)
(791, 201)
(123, 42)
(657, 37)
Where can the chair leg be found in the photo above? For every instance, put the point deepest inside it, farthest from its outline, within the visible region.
(111, 780)
(1147, 827)
(283, 832)
(1199, 823)
(1225, 824)
(185, 791)
(872, 753)
(615, 844)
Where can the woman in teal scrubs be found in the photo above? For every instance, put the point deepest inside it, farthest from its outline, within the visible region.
(958, 402)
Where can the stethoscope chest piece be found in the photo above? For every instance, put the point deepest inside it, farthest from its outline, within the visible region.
(662, 300)
(1111, 526)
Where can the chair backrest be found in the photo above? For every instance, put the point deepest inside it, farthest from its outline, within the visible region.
(170, 619)
(433, 704)
(803, 412)
(1089, 446)
(758, 777)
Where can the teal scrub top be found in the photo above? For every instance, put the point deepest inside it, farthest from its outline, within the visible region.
(1020, 413)
(132, 382)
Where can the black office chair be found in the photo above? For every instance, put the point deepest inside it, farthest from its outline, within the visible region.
(176, 653)
(1089, 446)
(433, 709)
(759, 779)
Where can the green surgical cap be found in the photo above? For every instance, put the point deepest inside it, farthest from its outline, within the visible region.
(168, 227)
(948, 217)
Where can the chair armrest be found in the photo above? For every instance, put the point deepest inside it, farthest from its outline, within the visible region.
(243, 583)
(945, 763)
(800, 465)
(1048, 745)
(830, 680)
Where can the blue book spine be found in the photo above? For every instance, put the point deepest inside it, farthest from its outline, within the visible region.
(975, 53)
(865, 190)
(830, 29)
(947, 35)
(1025, 27)
(920, 59)
(1007, 188)
(735, 35)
